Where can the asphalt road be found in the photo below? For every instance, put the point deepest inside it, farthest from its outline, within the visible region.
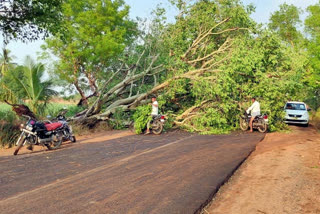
(175, 172)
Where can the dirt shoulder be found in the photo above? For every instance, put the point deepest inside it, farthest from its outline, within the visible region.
(281, 176)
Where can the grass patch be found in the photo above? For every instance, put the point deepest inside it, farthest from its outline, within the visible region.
(315, 119)
(54, 108)
(9, 133)
(90, 128)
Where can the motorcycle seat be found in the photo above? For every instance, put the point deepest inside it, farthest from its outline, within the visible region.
(256, 116)
(53, 126)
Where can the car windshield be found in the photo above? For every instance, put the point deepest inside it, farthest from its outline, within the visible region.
(295, 106)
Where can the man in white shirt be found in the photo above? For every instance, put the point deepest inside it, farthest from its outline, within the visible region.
(154, 112)
(255, 111)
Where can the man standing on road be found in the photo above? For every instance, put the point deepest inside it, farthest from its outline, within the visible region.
(154, 112)
(255, 111)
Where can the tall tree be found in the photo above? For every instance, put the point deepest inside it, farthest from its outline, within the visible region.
(312, 24)
(95, 32)
(6, 61)
(29, 19)
(285, 22)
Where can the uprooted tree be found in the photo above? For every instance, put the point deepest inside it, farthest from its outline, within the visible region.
(201, 59)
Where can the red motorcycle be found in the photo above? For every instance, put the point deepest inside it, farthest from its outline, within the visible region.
(38, 133)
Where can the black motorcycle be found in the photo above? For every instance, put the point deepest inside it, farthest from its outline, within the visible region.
(260, 122)
(38, 133)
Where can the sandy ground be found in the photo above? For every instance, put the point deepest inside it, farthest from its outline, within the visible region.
(281, 176)
(97, 137)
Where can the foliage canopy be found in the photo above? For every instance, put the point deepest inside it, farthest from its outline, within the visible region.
(28, 20)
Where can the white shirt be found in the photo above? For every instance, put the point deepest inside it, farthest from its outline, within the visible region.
(254, 108)
(155, 109)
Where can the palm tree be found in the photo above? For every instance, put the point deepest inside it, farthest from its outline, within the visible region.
(6, 64)
(38, 92)
(6, 61)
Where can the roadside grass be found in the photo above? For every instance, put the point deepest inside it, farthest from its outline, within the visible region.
(9, 126)
(86, 129)
(315, 119)
(53, 109)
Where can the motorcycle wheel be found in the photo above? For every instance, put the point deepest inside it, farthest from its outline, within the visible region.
(56, 141)
(157, 127)
(20, 144)
(264, 127)
(244, 125)
(73, 139)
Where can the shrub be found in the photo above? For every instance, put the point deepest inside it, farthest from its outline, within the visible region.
(141, 117)
(9, 133)
(119, 119)
(316, 119)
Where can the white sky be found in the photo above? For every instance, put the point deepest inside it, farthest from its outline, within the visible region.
(142, 8)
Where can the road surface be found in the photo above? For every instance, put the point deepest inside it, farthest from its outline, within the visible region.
(176, 172)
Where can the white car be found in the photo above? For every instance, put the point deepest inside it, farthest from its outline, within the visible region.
(296, 113)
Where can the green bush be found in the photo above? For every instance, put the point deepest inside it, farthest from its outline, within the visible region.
(6, 114)
(9, 133)
(141, 117)
(169, 123)
(315, 119)
(9, 126)
(119, 119)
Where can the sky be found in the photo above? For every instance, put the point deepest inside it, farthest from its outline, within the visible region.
(143, 8)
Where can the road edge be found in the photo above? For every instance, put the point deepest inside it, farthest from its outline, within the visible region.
(207, 203)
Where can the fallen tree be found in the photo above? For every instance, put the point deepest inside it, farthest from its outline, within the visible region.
(204, 69)
(203, 65)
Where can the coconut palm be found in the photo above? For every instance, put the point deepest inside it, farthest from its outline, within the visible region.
(6, 61)
(26, 83)
(37, 91)
(6, 92)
